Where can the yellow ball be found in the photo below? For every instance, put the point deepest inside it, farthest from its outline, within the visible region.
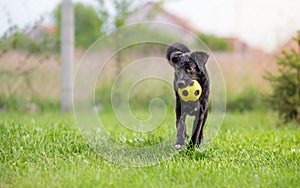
(192, 92)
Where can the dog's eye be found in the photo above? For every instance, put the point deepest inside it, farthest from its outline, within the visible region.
(190, 69)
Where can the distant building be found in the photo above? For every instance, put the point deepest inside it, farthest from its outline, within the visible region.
(290, 44)
(153, 11)
(238, 45)
(40, 32)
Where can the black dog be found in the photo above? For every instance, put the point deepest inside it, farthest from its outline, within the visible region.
(189, 66)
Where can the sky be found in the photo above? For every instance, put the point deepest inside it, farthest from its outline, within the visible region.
(262, 24)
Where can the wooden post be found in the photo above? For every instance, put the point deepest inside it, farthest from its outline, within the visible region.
(67, 54)
(298, 74)
(298, 41)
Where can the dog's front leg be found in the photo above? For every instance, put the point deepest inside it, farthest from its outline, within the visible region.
(181, 132)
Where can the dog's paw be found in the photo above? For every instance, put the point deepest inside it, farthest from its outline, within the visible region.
(187, 136)
(179, 147)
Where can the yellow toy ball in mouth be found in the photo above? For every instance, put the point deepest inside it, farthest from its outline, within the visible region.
(191, 92)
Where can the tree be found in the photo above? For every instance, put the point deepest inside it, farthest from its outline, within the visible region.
(114, 12)
(285, 96)
(115, 18)
(87, 25)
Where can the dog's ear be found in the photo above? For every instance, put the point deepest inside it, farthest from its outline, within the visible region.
(200, 58)
(176, 47)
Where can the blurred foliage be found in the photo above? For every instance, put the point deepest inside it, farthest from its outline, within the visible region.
(11, 102)
(26, 42)
(87, 25)
(138, 35)
(18, 41)
(114, 12)
(20, 102)
(139, 98)
(248, 99)
(214, 43)
(90, 24)
(36, 41)
(285, 96)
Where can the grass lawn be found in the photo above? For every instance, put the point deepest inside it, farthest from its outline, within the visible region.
(48, 151)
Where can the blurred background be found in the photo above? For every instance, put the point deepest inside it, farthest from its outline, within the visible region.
(245, 36)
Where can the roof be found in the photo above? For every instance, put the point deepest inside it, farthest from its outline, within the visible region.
(146, 10)
(290, 44)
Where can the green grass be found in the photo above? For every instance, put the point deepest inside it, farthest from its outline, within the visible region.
(47, 150)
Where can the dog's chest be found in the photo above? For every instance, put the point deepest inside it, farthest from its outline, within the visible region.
(191, 108)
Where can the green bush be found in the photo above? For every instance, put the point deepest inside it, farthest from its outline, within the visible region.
(45, 104)
(139, 98)
(21, 103)
(12, 102)
(215, 43)
(19, 41)
(247, 100)
(285, 96)
(24, 42)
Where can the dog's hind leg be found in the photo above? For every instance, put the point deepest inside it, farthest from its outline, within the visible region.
(178, 108)
(195, 132)
(200, 137)
(197, 135)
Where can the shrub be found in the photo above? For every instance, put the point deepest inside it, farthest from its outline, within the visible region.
(16, 102)
(215, 43)
(247, 100)
(139, 98)
(285, 96)
(12, 102)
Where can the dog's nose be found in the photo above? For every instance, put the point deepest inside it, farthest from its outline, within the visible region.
(180, 84)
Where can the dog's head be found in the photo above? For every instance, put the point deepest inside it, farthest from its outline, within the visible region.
(188, 65)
